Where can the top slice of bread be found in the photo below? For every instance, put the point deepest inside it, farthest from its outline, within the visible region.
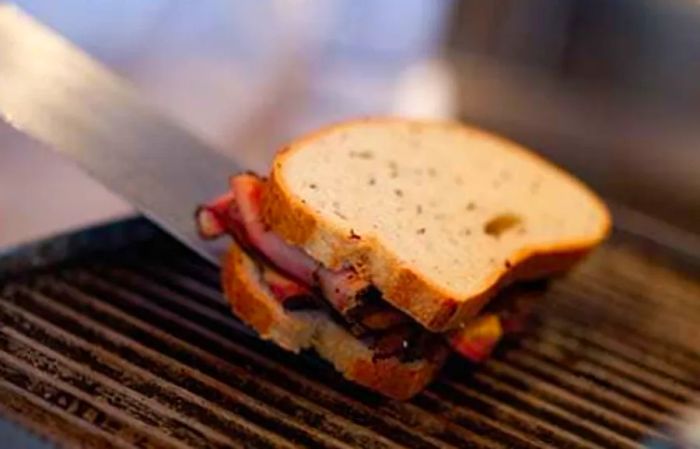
(438, 215)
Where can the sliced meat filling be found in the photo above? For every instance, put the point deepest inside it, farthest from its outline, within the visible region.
(238, 213)
(387, 337)
(300, 282)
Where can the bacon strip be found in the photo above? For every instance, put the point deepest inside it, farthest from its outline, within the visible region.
(247, 190)
(212, 218)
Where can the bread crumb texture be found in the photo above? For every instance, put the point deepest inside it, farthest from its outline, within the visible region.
(433, 196)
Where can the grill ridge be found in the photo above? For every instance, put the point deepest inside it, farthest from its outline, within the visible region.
(611, 400)
(623, 332)
(652, 360)
(49, 420)
(668, 386)
(506, 413)
(48, 325)
(88, 386)
(671, 322)
(582, 407)
(477, 420)
(584, 369)
(75, 402)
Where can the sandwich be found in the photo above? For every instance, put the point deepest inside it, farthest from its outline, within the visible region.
(387, 244)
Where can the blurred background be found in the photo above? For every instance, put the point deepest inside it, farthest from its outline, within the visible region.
(609, 89)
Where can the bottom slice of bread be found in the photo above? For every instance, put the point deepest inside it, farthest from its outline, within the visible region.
(253, 302)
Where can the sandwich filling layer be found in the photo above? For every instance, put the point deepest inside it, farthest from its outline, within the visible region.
(300, 282)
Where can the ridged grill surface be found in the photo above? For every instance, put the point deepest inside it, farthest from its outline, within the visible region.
(137, 349)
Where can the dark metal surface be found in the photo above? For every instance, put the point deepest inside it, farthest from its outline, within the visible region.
(136, 348)
(59, 96)
(97, 239)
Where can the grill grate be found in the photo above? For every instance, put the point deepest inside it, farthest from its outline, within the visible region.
(137, 348)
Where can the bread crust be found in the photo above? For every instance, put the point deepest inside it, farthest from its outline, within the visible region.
(296, 330)
(255, 307)
(425, 301)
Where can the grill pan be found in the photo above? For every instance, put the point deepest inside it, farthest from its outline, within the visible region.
(119, 337)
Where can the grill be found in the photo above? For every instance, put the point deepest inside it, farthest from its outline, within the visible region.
(130, 344)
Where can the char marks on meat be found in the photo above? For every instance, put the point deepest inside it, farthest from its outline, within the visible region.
(344, 289)
(392, 343)
(374, 314)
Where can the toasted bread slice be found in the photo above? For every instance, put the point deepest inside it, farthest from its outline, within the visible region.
(253, 303)
(439, 216)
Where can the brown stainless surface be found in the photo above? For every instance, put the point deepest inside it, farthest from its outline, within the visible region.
(136, 348)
